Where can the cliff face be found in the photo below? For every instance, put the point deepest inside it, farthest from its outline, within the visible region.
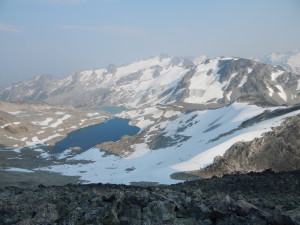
(255, 198)
(278, 150)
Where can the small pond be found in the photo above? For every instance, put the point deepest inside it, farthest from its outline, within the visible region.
(111, 109)
(88, 137)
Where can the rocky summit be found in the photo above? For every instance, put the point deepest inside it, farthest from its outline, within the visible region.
(254, 198)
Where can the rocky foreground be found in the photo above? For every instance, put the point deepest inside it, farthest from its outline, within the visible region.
(253, 198)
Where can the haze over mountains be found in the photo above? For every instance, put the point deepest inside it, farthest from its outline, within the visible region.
(289, 60)
(168, 80)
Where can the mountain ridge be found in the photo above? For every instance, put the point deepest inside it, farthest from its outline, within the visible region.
(165, 80)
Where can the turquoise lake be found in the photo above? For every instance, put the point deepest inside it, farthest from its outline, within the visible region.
(111, 109)
(88, 137)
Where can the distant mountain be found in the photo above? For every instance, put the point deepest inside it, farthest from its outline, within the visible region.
(206, 83)
(290, 61)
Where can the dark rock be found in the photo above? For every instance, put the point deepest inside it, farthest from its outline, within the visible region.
(255, 198)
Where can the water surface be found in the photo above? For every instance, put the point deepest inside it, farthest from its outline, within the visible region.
(111, 109)
(88, 137)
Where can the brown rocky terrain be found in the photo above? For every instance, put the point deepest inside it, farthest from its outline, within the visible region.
(28, 123)
(278, 150)
(254, 198)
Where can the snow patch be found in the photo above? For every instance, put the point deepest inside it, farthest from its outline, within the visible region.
(170, 113)
(15, 113)
(243, 81)
(34, 141)
(43, 123)
(204, 87)
(11, 169)
(276, 74)
(271, 91)
(281, 93)
(92, 114)
(229, 95)
(60, 121)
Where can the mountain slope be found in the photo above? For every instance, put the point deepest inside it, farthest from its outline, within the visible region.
(165, 80)
(169, 141)
(278, 150)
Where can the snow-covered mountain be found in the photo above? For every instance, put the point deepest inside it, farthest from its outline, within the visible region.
(290, 61)
(209, 83)
(188, 112)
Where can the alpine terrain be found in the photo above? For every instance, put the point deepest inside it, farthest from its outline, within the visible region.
(189, 113)
(182, 120)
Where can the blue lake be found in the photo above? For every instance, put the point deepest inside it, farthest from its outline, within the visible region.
(88, 137)
(111, 109)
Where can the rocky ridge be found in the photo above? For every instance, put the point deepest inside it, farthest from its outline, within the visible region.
(205, 83)
(254, 198)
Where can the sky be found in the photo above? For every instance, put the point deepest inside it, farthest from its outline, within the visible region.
(60, 37)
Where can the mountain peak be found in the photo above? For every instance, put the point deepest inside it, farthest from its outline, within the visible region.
(201, 82)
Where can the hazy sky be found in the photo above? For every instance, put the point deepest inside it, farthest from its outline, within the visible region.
(59, 37)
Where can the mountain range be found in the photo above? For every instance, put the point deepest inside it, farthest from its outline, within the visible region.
(206, 83)
(190, 112)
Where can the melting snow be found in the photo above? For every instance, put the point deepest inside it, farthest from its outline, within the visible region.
(92, 114)
(59, 121)
(228, 95)
(18, 170)
(274, 75)
(243, 81)
(204, 87)
(271, 91)
(43, 123)
(170, 113)
(15, 113)
(5, 125)
(34, 141)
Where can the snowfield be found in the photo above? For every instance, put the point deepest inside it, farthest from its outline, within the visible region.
(157, 165)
